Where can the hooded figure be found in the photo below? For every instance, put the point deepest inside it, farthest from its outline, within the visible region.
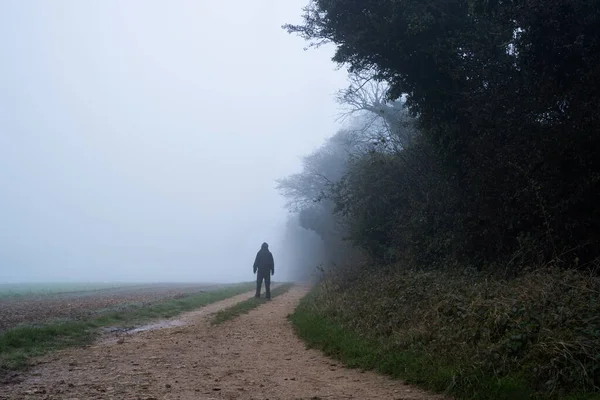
(265, 266)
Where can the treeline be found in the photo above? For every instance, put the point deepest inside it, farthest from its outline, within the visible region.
(477, 141)
(461, 200)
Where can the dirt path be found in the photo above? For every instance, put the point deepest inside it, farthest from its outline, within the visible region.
(255, 356)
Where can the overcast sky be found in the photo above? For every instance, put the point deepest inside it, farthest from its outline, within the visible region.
(140, 140)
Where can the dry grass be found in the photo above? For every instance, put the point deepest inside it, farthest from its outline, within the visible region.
(539, 332)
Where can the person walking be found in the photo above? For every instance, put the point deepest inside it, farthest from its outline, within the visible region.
(264, 267)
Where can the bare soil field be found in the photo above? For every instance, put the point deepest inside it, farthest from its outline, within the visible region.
(32, 308)
(253, 356)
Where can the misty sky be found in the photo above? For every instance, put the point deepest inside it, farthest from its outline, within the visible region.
(140, 140)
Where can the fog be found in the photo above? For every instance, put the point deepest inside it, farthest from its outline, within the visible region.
(141, 140)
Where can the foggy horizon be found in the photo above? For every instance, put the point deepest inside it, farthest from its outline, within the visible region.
(141, 142)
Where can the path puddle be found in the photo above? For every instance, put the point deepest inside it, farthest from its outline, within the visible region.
(144, 328)
(158, 325)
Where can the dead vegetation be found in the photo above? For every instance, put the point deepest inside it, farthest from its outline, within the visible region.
(539, 332)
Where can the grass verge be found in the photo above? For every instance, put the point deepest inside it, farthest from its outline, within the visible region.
(247, 305)
(19, 344)
(328, 333)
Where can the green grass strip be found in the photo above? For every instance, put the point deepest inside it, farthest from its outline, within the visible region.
(19, 344)
(247, 305)
(413, 366)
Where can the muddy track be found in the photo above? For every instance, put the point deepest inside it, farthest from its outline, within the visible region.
(255, 356)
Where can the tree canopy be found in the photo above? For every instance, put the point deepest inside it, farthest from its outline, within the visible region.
(505, 100)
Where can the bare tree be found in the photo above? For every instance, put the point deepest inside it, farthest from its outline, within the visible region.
(379, 120)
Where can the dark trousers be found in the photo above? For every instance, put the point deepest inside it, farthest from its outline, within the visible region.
(266, 275)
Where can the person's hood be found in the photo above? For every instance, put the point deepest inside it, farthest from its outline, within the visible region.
(264, 246)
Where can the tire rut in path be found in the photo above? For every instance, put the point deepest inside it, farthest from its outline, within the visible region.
(255, 356)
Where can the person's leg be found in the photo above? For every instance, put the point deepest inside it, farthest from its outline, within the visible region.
(268, 284)
(259, 279)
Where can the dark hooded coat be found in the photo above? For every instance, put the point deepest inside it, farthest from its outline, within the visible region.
(264, 260)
